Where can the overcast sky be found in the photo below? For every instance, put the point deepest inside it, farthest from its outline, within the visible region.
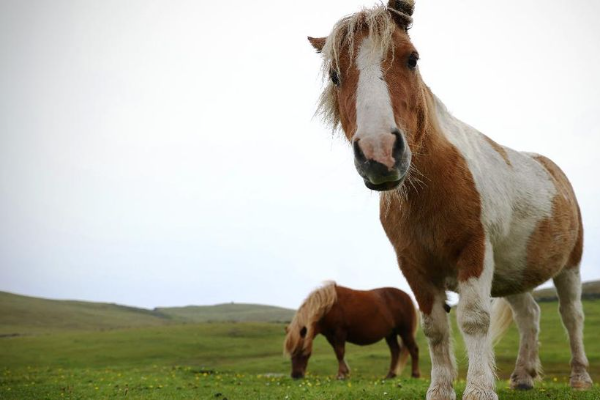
(162, 153)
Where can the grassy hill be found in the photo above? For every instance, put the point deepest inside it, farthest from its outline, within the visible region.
(590, 290)
(24, 315)
(230, 312)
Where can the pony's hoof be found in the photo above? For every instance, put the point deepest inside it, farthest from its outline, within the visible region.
(476, 393)
(439, 392)
(521, 382)
(340, 377)
(416, 375)
(581, 381)
(390, 375)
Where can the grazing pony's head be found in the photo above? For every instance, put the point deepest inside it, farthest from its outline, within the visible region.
(374, 90)
(303, 328)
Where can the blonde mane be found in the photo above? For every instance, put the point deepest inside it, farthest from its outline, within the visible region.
(316, 305)
(380, 24)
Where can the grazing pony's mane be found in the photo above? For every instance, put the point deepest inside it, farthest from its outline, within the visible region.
(316, 305)
(380, 24)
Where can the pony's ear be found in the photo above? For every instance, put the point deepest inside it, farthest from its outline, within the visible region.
(402, 11)
(317, 43)
(303, 332)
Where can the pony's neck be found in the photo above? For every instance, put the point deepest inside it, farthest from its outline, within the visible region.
(433, 160)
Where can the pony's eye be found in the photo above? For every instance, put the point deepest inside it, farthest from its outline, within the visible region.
(412, 60)
(335, 79)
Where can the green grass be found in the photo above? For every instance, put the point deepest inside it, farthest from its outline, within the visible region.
(244, 361)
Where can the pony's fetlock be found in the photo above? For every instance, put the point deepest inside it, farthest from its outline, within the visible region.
(581, 380)
(441, 392)
(478, 393)
(521, 380)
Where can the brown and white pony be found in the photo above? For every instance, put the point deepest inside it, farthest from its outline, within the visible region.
(462, 212)
(355, 316)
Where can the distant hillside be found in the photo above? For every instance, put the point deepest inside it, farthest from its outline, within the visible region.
(231, 312)
(24, 315)
(590, 290)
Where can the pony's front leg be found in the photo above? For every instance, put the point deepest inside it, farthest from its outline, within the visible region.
(338, 342)
(476, 269)
(437, 330)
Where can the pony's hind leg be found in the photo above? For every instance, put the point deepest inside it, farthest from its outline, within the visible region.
(526, 314)
(568, 287)
(392, 342)
(409, 345)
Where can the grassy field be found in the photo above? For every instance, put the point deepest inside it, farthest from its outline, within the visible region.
(244, 361)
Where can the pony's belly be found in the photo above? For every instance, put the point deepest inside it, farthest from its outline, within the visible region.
(526, 261)
(365, 334)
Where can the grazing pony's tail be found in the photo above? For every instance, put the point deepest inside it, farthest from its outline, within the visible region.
(501, 319)
(404, 353)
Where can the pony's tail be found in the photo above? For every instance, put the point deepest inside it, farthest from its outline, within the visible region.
(501, 319)
(404, 353)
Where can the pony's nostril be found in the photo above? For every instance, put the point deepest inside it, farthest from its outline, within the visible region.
(358, 153)
(398, 144)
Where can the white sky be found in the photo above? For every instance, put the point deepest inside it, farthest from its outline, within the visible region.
(160, 153)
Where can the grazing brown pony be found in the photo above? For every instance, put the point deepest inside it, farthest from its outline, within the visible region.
(462, 212)
(355, 316)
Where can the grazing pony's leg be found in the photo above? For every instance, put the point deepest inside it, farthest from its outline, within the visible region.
(526, 314)
(338, 342)
(408, 342)
(392, 342)
(473, 315)
(568, 286)
(443, 366)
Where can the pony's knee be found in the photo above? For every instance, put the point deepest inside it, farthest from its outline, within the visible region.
(473, 317)
(435, 330)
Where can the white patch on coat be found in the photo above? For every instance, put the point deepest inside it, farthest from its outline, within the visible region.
(515, 197)
(374, 114)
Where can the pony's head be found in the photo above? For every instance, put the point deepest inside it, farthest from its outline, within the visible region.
(304, 327)
(298, 352)
(374, 90)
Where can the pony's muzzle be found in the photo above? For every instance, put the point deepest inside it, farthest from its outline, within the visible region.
(297, 375)
(383, 161)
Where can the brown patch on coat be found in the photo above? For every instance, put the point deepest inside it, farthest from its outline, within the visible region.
(499, 149)
(558, 240)
(436, 227)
